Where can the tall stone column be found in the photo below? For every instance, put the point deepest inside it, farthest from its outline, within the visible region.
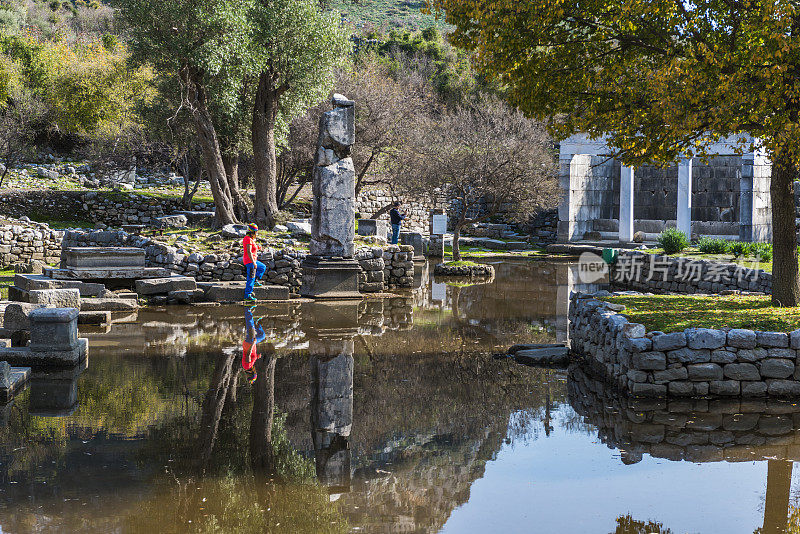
(330, 270)
(685, 197)
(626, 204)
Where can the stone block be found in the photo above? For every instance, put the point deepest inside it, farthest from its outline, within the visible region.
(15, 316)
(639, 344)
(103, 257)
(741, 371)
(552, 355)
(790, 354)
(751, 355)
(109, 304)
(776, 368)
(687, 355)
(783, 388)
(772, 339)
(754, 389)
(54, 329)
(742, 422)
(668, 375)
(723, 356)
(705, 338)
(649, 361)
(234, 292)
(162, 286)
(55, 298)
(94, 317)
(666, 342)
(26, 357)
(330, 278)
(704, 371)
(724, 387)
(649, 390)
(372, 227)
(774, 425)
(741, 338)
(794, 339)
(633, 330)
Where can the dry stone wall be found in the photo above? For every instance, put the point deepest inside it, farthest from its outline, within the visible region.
(696, 362)
(23, 241)
(671, 274)
(418, 219)
(391, 266)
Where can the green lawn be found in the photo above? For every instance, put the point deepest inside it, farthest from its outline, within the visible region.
(671, 313)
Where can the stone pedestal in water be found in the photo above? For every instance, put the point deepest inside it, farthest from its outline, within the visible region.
(330, 270)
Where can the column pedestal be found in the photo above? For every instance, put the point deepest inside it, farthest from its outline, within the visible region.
(331, 278)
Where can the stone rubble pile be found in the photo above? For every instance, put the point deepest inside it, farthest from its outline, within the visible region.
(693, 363)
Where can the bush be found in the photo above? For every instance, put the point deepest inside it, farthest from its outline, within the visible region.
(706, 245)
(672, 240)
(762, 251)
(739, 248)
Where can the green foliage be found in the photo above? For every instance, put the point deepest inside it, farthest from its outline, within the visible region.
(707, 245)
(739, 248)
(672, 240)
(762, 251)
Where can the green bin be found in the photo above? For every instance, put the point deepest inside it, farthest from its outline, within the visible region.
(610, 255)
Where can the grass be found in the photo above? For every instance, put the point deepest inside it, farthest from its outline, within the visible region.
(672, 313)
(474, 252)
(5, 284)
(461, 263)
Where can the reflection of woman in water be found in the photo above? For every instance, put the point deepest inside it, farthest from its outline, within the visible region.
(254, 334)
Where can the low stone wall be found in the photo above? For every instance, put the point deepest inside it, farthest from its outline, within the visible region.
(23, 241)
(394, 269)
(671, 274)
(370, 202)
(108, 207)
(694, 430)
(693, 363)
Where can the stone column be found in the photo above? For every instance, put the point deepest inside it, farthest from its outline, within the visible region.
(685, 197)
(330, 329)
(626, 205)
(330, 270)
(755, 211)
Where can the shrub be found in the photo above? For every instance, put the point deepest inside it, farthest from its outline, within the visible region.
(672, 240)
(762, 251)
(707, 245)
(739, 248)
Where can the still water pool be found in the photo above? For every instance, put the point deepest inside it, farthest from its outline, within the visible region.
(387, 415)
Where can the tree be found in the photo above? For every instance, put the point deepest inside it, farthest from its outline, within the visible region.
(663, 79)
(296, 48)
(204, 44)
(485, 156)
(21, 112)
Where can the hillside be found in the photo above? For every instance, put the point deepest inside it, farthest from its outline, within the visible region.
(385, 15)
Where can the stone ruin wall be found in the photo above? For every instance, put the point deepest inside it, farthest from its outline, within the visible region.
(418, 220)
(22, 242)
(382, 268)
(710, 277)
(693, 363)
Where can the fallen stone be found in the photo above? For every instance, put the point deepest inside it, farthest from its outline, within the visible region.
(55, 298)
(15, 316)
(94, 317)
(553, 355)
(112, 305)
(299, 228)
(234, 292)
(234, 231)
(157, 286)
(171, 221)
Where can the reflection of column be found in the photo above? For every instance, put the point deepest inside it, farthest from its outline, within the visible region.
(331, 327)
(776, 505)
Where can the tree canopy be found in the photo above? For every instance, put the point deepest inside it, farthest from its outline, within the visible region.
(662, 79)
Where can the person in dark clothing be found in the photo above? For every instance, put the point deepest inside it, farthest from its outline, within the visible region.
(396, 219)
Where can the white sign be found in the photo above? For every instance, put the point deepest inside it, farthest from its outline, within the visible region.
(439, 224)
(438, 291)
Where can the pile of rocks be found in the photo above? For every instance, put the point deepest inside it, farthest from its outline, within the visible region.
(24, 241)
(472, 271)
(692, 363)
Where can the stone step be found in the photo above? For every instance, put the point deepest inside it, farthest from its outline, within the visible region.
(103, 257)
(106, 304)
(94, 317)
(30, 282)
(121, 273)
(162, 286)
(12, 381)
(234, 292)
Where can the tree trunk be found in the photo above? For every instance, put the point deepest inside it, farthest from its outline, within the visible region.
(264, 159)
(785, 284)
(456, 249)
(240, 208)
(211, 410)
(212, 159)
(262, 456)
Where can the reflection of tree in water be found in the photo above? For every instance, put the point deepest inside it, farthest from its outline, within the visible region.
(628, 525)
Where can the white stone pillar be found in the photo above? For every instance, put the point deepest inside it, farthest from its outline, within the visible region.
(626, 204)
(685, 197)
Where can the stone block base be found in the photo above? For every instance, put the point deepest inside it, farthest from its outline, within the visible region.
(23, 356)
(162, 286)
(330, 278)
(234, 292)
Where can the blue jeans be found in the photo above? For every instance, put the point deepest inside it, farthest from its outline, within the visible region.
(395, 233)
(251, 278)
